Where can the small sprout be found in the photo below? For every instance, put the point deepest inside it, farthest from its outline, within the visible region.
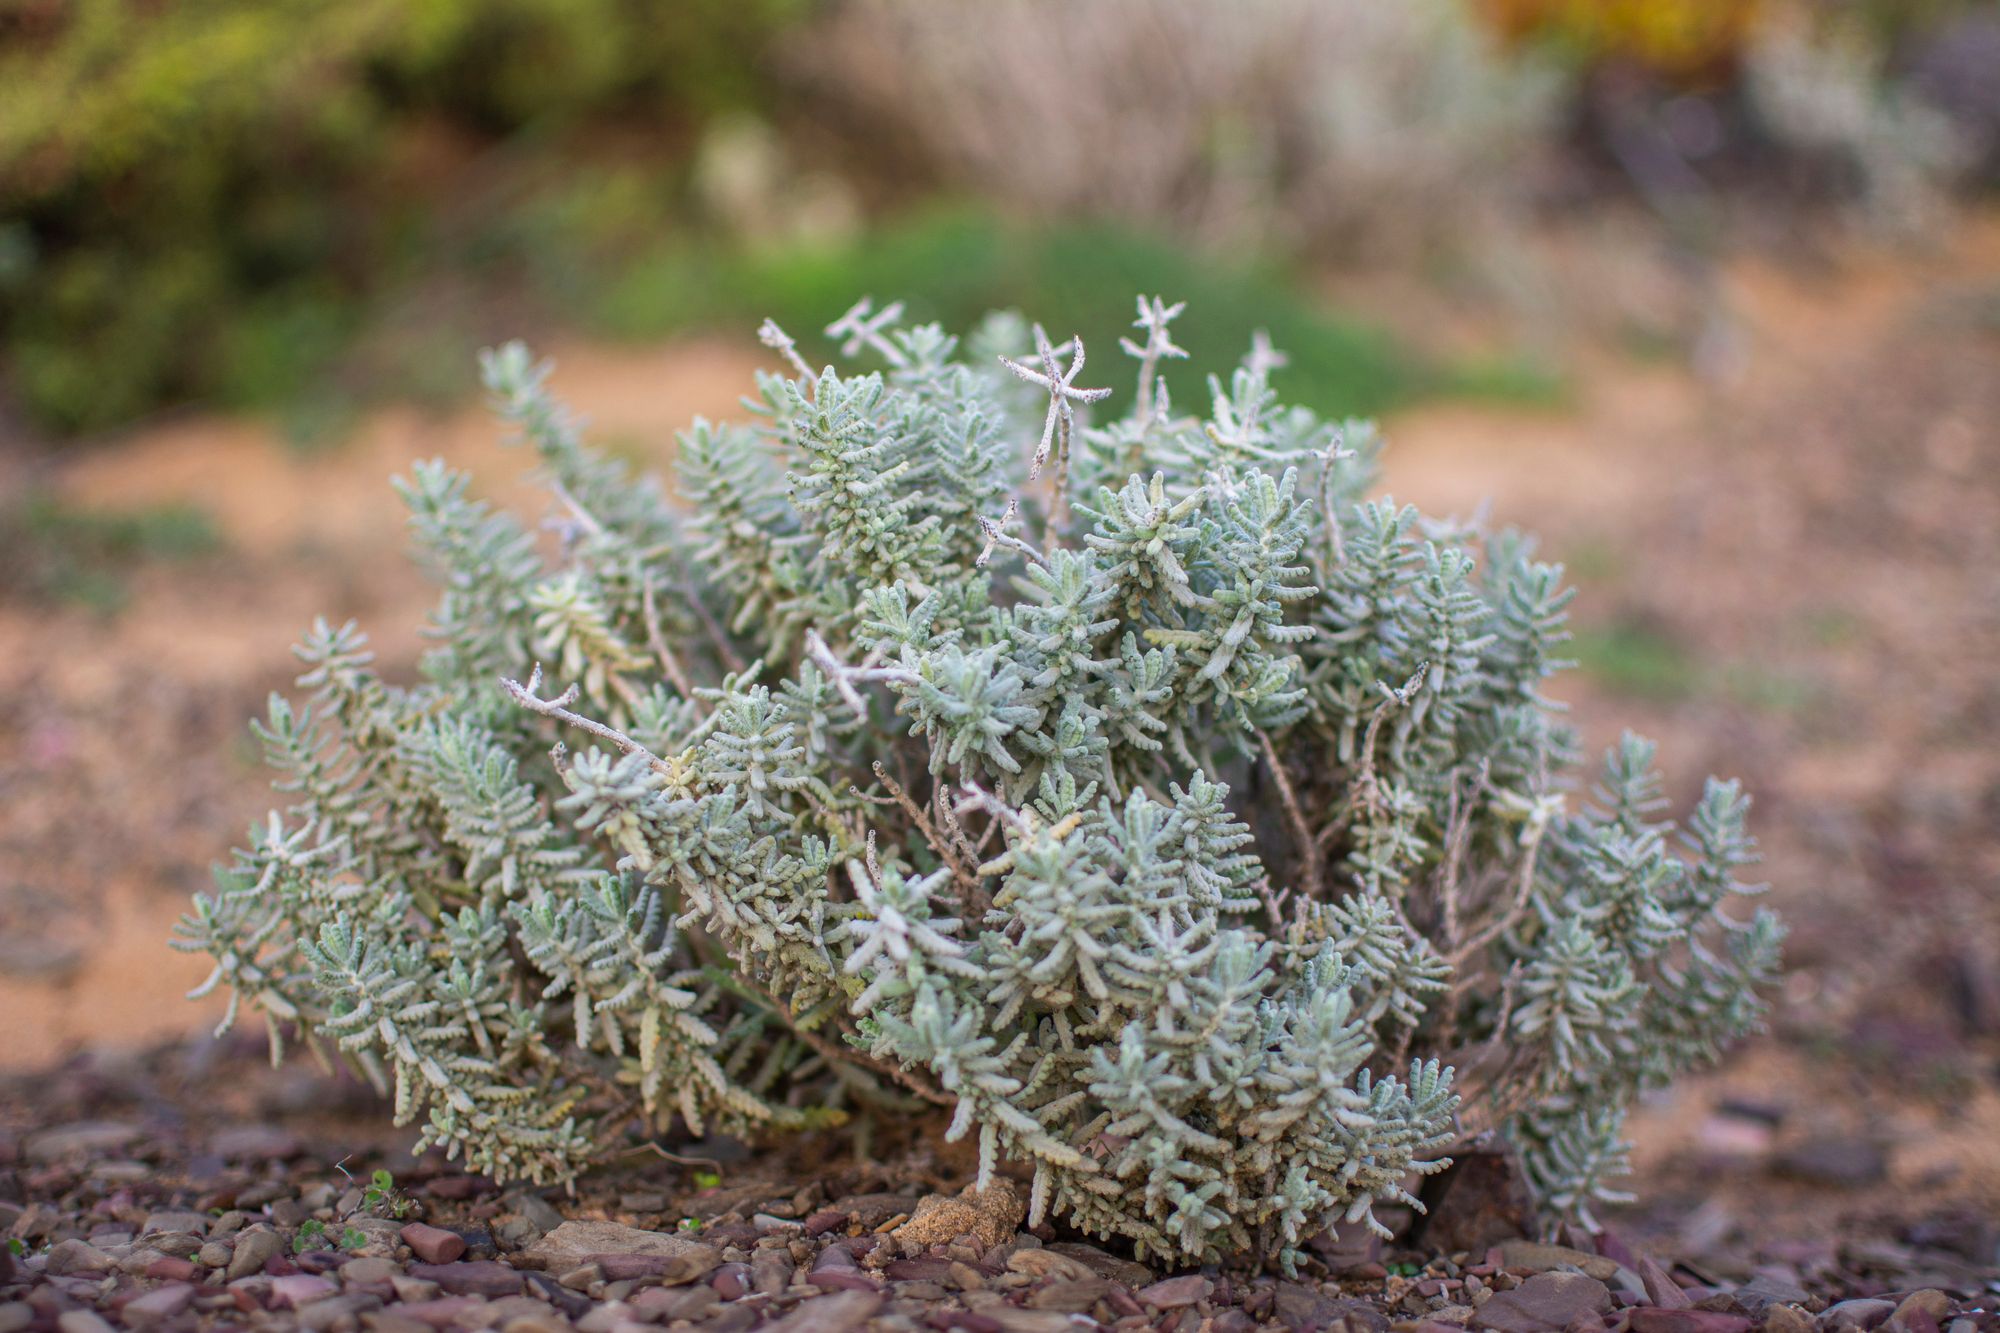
(381, 1195)
(707, 1180)
(691, 1225)
(16, 1246)
(311, 1236)
(354, 1238)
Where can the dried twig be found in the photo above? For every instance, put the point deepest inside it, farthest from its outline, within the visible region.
(1457, 836)
(845, 677)
(997, 535)
(962, 871)
(1309, 855)
(1531, 842)
(781, 342)
(1365, 780)
(1060, 381)
(528, 697)
(836, 1054)
(1336, 450)
(668, 662)
(731, 659)
(1154, 316)
(862, 326)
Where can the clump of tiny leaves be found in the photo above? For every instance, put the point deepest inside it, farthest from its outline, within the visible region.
(1137, 790)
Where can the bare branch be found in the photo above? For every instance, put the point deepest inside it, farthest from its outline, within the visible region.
(861, 328)
(1060, 382)
(1336, 450)
(668, 662)
(1524, 886)
(528, 697)
(963, 873)
(1154, 317)
(731, 659)
(1310, 870)
(781, 342)
(845, 677)
(997, 535)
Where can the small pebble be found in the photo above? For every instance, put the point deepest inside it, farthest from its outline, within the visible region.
(301, 1289)
(433, 1245)
(413, 1289)
(83, 1321)
(368, 1271)
(1177, 1291)
(159, 1303)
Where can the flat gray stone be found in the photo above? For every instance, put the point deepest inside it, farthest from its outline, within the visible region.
(539, 1211)
(253, 1250)
(576, 1243)
(193, 1224)
(1533, 1257)
(79, 1258)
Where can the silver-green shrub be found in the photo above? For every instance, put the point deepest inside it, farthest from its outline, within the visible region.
(1136, 790)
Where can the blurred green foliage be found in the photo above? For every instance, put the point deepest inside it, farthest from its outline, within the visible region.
(953, 265)
(1633, 657)
(55, 551)
(195, 197)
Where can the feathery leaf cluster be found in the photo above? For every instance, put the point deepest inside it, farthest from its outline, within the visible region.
(1194, 829)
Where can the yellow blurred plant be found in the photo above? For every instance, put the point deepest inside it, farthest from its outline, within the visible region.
(1679, 39)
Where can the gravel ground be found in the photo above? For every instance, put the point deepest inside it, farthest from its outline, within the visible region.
(195, 1188)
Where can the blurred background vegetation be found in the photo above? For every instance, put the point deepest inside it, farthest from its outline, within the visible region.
(297, 204)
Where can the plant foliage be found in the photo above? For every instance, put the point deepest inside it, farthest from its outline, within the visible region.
(201, 197)
(1191, 827)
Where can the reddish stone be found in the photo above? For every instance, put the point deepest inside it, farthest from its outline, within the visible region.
(1653, 1319)
(172, 1269)
(624, 1267)
(1124, 1302)
(917, 1270)
(1175, 1292)
(731, 1281)
(299, 1289)
(168, 1301)
(1545, 1303)
(837, 1278)
(1661, 1287)
(1614, 1247)
(836, 1255)
(827, 1219)
(433, 1245)
(476, 1277)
